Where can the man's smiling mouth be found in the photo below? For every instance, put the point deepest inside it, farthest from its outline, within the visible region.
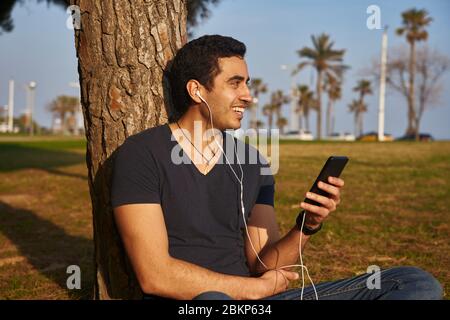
(239, 110)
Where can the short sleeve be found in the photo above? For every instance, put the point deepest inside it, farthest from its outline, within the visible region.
(135, 176)
(266, 192)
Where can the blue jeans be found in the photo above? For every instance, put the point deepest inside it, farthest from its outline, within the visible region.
(399, 283)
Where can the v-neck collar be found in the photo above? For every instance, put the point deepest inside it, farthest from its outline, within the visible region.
(196, 169)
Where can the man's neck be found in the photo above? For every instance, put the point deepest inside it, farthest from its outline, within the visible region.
(197, 126)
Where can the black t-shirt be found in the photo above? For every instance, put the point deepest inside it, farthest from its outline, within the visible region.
(202, 213)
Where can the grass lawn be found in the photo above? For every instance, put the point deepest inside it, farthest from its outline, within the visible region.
(395, 211)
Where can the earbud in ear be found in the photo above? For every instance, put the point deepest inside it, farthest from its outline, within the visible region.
(199, 95)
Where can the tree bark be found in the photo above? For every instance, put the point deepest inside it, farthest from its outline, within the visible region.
(319, 105)
(361, 131)
(122, 49)
(329, 112)
(307, 122)
(411, 99)
(300, 118)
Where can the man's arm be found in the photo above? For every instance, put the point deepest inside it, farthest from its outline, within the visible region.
(274, 251)
(143, 232)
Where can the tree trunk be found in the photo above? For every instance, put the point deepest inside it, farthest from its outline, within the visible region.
(300, 118)
(278, 114)
(122, 49)
(412, 70)
(417, 127)
(253, 116)
(329, 111)
(361, 131)
(332, 119)
(319, 105)
(360, 113)
(307, 122)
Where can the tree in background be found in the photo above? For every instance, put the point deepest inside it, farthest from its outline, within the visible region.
(430, 67)
(257, 86)
(364, 88)
(281, 123)
(325, 60)
(306, 103)
(358, 108)
(277, 100)
(334, 92)
(65, 108)
(268, 111)
(414, 23)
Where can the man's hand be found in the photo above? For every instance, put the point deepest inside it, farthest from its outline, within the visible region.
(276, 281)
(315, 215)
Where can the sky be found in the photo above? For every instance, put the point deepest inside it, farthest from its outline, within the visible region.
(41, 49)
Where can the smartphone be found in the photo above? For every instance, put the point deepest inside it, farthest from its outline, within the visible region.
(332, 168)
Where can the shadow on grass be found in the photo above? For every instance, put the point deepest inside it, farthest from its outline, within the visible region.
(48, 248)
(15, 156)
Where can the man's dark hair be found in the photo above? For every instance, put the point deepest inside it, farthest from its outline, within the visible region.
(199, 60)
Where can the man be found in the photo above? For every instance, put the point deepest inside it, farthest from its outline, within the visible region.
(181, 221)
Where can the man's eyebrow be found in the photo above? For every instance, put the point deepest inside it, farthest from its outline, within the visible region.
(237, 77)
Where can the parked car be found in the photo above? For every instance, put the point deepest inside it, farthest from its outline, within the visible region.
(346, 136)
(373, 136)
(298, 135)
(412, 137)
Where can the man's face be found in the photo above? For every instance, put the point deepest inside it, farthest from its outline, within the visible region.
(230, 95)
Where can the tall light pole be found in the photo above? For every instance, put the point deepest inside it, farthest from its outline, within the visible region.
(382, 85)
(293, 116)
(11, 106)
(31, 95)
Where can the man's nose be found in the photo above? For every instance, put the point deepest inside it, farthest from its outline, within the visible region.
(246, 95)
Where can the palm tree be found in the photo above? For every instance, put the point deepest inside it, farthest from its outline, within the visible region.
(277, 100)
(325, 60)
(65, 108)
(305, 103)
(268, 111)
(358, 108)
(281, 123)
(364, 88)
(414, 23)
(334, 92)
(256, 87)
(259, 124)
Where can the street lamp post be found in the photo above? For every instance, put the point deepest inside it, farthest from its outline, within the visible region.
(11, 106)
(31, 95)
(382, 85)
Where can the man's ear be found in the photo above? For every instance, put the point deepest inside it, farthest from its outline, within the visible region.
(192, 87)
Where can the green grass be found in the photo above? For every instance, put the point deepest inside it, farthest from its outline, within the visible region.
(394, 212)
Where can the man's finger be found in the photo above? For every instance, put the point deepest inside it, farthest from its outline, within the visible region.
(320, 211)
(336, 181)
(290, 275)
(326, 202)
(329, 188)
